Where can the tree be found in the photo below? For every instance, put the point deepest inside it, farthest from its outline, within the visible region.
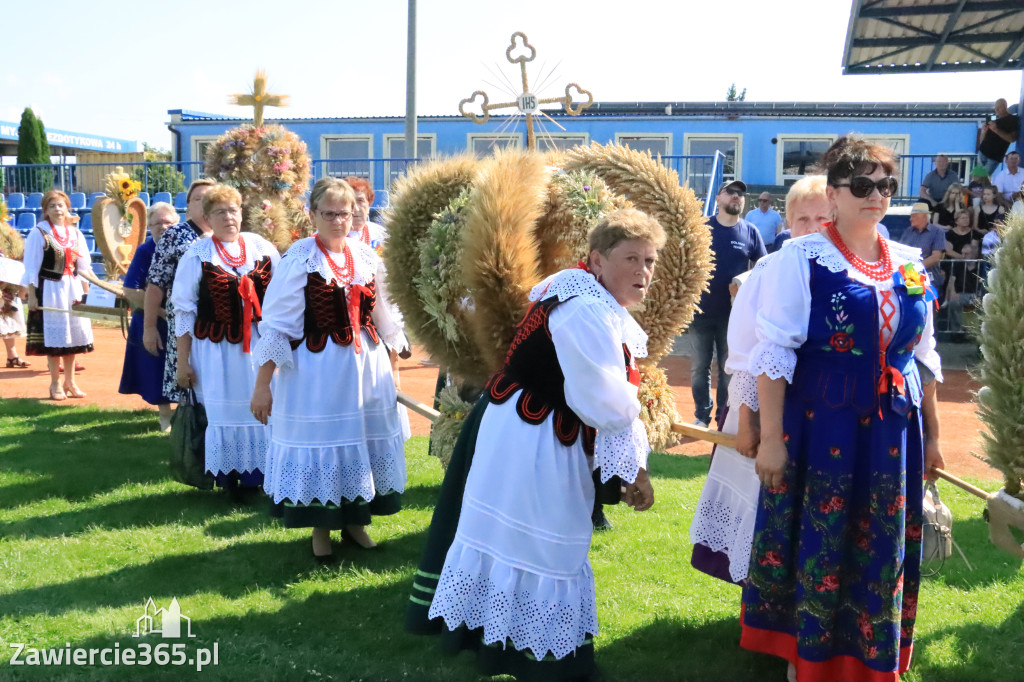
(158, 178)
(732, 96)
(33, 149)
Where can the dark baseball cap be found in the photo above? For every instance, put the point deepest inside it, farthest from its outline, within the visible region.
(732, 183)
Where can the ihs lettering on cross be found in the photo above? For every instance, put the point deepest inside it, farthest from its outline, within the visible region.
(259, 98)
(527, 103)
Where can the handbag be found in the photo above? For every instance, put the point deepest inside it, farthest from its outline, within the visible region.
(937, 531)
(188, 443)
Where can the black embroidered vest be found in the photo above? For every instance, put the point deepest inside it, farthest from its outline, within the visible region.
(327, 314)
(54, 257)
(219, 310)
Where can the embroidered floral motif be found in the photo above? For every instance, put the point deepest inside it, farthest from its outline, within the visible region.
(841, 340)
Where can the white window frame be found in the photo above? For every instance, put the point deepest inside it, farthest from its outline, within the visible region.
(563, 136)
(386, 150)
(196, 141)
(471, 138)
(654, 136)
(735, 137)
(790, 137)
(366, 137)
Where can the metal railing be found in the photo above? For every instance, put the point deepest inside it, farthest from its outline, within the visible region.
(913, 168)
(176, 176)
(969, 275)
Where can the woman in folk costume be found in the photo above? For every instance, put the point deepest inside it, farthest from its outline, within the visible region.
(723, 523)
(516, 584)
(337, 453)
(217, 298)
(835, 564)
(55, 255)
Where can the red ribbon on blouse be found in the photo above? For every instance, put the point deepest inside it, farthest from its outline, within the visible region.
(251, 304)
(355, 299)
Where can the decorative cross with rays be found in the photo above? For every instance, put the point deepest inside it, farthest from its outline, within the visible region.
(527, 103)
(259, 98)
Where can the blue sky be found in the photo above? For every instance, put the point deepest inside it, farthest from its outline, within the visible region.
(114, 69)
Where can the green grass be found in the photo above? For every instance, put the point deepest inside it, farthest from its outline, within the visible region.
(91, 526)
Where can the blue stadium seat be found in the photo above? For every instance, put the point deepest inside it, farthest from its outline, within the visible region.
(34, 202)
(85, 224)
(180, 201)
(162, 196)
(26, 221)
(145, 197)
(182, 216)
(93, 197)
(15, 201)
(90, 241)
(77, 201)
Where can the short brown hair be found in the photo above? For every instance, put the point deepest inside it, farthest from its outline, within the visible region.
(201, 182)
(361, 185)
(336, 187)
(624, 224)
(220, 194)
(851, 155)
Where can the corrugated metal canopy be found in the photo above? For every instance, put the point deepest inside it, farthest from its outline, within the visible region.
(929, 36)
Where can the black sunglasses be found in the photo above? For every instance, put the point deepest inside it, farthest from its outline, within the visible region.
(862, 185)
(734, 192)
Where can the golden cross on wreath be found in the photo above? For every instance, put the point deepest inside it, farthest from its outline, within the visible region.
(259, 98)
(527, 103)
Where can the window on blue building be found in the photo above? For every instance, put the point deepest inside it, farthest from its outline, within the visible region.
(484, 144)
(548, 141)
(698, 171)
(655, 143)
(798, 155)
(394, 146)
(345, 155)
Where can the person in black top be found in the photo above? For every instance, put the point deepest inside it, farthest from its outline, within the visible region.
(988, 213)
(997, 136)
(963, 279)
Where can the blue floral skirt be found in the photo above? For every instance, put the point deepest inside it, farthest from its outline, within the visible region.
(835, 565)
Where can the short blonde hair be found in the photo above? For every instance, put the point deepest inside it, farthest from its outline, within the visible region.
(160, 207)
(806, 188)
(624, 224)
(335, 187)
(220, 194)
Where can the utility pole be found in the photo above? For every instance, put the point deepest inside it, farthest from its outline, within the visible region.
(410, 86)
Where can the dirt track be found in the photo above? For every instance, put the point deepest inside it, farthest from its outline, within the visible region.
(418, 375)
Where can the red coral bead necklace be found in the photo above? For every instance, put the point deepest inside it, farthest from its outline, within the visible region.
(234, 261)
(63, 241)
(879, 272)
(342, 274)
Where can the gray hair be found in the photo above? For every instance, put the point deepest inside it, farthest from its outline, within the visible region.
(158, 207)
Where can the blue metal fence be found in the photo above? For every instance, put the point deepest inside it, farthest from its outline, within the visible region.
(174, 176)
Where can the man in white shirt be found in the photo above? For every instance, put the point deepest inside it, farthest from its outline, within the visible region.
(1009, 180)
(765, 218)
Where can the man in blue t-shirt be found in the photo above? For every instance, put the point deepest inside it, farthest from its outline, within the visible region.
(766, 219)
(737, 245)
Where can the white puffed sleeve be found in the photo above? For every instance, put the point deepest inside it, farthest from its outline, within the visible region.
(386, 316)
(34, 243)
(586, 335)
(284, 309)
(742, 338)
(925, 351)
(783, 313)
(185, 292)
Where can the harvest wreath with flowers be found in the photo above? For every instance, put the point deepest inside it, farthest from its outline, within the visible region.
(494, 228)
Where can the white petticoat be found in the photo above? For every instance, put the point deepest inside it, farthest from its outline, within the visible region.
(725, 514)
(335, 430)
(518, 567)
(235, 441)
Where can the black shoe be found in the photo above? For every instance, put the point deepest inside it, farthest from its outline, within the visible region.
(325, 559)
(601, 521)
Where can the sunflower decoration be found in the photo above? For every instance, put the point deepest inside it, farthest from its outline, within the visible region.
(270, 167)
(121, 189)
(518, 217)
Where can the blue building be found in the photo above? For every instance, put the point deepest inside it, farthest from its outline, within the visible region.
(766, 144)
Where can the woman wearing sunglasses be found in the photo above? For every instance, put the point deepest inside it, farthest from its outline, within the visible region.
(847, 434)
(337, 454)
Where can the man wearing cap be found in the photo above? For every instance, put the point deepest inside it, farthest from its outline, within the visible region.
(737, 245)
(765, 218)
(930, 238)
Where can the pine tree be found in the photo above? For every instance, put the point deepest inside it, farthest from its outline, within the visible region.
(44, 144)
(34, 149)
(28, 137)
(732, 96)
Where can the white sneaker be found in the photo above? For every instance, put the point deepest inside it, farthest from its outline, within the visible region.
(697, 422)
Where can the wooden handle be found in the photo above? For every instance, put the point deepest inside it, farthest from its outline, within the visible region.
(418, 407)
(705, 434)
(960, 483)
